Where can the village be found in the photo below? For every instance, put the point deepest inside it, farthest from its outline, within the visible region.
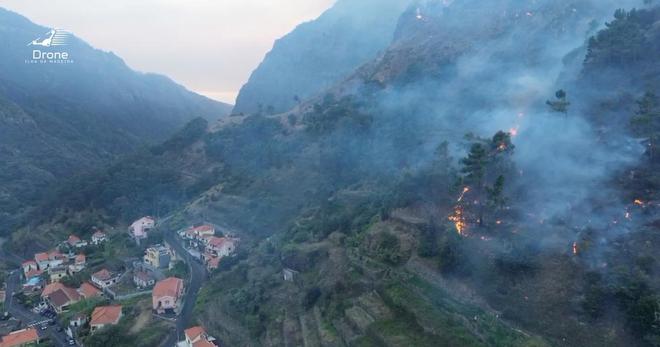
(81, 288)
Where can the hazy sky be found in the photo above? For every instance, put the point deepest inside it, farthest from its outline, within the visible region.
(210, 46)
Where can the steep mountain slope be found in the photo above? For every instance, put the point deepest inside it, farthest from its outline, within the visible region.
(317, 54)
(407, 217)
(57, 119)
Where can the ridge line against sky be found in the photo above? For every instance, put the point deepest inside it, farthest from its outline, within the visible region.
(209, 46)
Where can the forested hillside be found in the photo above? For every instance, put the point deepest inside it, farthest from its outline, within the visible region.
(490, 185)
(61, 119)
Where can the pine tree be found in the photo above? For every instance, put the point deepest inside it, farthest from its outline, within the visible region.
(646, 121)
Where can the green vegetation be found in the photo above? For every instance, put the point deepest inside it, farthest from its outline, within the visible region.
(179, 270)
(136, 328)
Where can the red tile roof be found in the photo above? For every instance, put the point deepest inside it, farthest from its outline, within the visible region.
(73, 240)
(80, 258)
(29, 262)
(98, 234)
(216, 241)
(64, 296)
(194, 332)
(214, 262)
(103, 315)
(51, 288)
(170, 286)
(203, 343)
(41, 256)
(103, 275)
(203, 228)
(20, 337)
(87, 290)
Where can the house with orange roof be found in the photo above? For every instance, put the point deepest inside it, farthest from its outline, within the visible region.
(220, 246)
(203, 230)
(20, 338)
(47, 260)
(29, 265)
(75, 241)
(103, 316)
(51, 288)
(61, 299)
(166, 295)
(87, 290)
(42, 259)
(98, 237)
(196, 337)
(104, 278)
(79, 263)
(213, 263)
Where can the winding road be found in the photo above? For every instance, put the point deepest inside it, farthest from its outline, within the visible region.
(197, 277)
(27, 317)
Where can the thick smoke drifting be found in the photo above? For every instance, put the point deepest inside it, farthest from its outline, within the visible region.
(496, 64)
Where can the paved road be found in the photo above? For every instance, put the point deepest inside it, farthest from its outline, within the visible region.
(26, 316)
(197, 277)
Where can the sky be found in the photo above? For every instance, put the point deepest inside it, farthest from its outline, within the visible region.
(209, 46)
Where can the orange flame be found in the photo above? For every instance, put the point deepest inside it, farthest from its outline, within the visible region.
(575, 248)
(459, 220)
(639, 202)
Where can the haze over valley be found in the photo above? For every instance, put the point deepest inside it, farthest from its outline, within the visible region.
(393, 173)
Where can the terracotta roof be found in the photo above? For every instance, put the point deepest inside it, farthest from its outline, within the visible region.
(20, 337)
(51, 288)
(194, 332)
(87, 290)
(203, 228)
(64, 296)
(103, 315)
(98, 234)
(217, 241)
(170, 286)
(203, 343)
(41, 256)
(29, 262)
(103, 275)
(214, 262)
(73, 239)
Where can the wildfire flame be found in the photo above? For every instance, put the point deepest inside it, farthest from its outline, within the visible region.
(639, 202)
(458, 217)
(459, 220)
(575, 248)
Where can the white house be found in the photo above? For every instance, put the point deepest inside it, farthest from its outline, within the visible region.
(104, 278)
(141, 227)
(98, 237)
(196, 337)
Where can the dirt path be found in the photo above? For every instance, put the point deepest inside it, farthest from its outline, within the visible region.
(141, 321)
